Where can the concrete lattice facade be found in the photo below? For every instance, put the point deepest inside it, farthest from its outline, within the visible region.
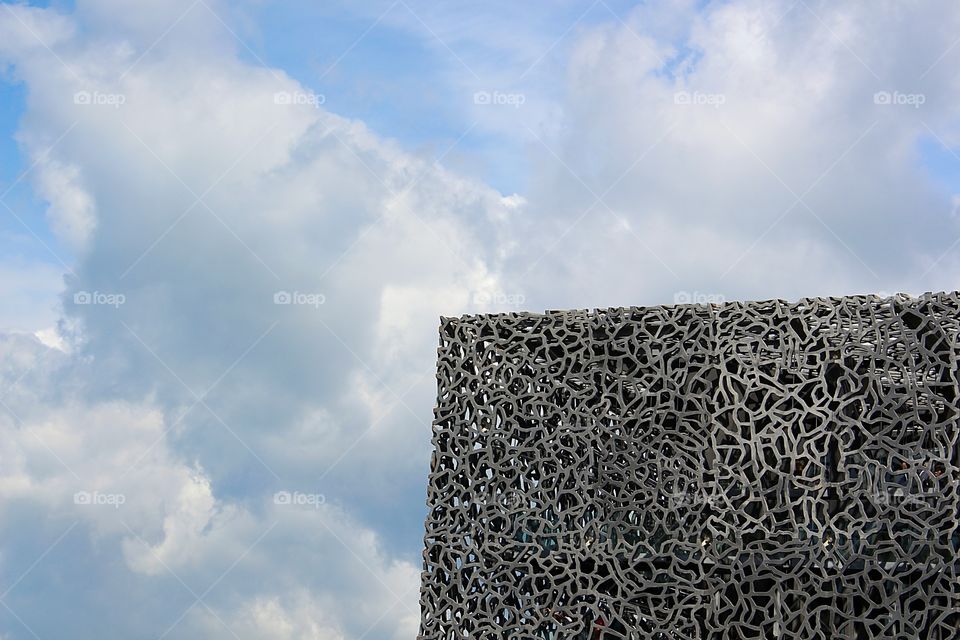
(744, 470)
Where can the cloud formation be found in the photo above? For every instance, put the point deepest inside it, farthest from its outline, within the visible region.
(227, 434)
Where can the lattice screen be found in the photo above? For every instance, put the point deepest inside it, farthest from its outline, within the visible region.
(744, 470)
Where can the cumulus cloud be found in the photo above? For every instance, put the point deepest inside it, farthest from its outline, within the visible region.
(205, 344)
(749, 150)
(270, 619)
(71, 211)
(103, 477)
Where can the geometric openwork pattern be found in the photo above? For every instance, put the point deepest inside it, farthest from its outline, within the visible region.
(743, 470)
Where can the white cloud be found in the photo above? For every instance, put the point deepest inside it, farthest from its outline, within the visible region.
(754, 162)
(108, 467)
(71, 211)
(267, 618)
(195, 398)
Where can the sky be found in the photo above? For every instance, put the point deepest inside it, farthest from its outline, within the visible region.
(228, 231)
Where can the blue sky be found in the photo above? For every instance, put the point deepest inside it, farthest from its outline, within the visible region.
(377, 62)
(231, 227)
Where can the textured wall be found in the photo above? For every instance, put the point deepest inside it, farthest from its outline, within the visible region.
(745, 470)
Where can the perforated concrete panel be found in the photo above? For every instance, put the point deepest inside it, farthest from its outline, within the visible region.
(744, 470)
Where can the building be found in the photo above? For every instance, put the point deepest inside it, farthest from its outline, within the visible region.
(743, 470)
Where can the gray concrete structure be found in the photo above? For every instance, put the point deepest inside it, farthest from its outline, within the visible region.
(744, 470)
